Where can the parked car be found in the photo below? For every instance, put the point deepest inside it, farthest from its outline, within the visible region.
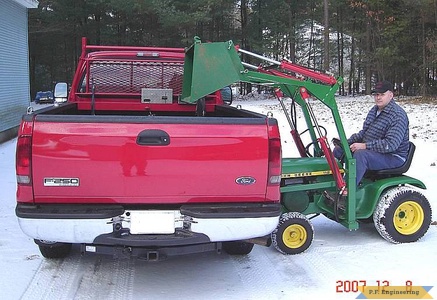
(44, 97)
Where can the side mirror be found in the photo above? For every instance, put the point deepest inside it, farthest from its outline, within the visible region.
(226, 93)
(61, 92)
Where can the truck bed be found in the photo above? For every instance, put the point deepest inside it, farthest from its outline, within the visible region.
(137, 157)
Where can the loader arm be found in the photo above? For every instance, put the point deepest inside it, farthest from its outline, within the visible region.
(212, 66)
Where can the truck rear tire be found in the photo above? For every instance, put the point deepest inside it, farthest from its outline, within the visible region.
(237, 248)
(403, 215)
(54, 250)
(294, 233)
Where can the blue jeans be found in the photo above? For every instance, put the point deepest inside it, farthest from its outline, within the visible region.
(371, 160)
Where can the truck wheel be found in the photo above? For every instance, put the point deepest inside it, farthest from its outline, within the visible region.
(403, 215)
(53, 249)
(237, 248)
(294, 233)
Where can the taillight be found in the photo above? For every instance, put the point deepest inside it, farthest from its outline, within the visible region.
(23, 159)
(275, 154)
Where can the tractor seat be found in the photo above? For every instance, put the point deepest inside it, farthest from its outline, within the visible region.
(395, 171)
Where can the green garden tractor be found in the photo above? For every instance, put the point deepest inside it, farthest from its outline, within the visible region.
(313, 183)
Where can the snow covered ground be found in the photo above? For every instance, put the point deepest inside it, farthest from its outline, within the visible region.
(337, 257)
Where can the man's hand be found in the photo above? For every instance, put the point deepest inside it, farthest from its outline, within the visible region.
(357, 146)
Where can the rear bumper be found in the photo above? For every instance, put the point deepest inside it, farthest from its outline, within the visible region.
(112, 224)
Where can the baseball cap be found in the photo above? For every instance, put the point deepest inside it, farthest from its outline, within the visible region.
(382, 87)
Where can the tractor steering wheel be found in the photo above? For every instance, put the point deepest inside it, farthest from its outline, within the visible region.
(307, 150)
(307, 147)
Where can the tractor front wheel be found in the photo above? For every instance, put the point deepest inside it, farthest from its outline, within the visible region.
(294, 233)
(403, 215)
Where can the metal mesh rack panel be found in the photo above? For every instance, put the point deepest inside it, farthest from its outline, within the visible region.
(131, 77)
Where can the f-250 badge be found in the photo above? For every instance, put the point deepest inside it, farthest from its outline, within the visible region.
(245, 180)
(61, 181)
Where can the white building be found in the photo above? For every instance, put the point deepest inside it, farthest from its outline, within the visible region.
(14, 64)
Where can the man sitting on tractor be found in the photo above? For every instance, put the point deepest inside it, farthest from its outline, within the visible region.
(383, 142)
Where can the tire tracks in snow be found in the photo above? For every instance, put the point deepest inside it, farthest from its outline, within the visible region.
(265, 274)
(82, 278)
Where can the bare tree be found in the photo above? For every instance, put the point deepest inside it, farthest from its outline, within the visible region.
(326, 35)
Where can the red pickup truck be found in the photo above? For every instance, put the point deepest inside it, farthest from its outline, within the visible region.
(124, 167)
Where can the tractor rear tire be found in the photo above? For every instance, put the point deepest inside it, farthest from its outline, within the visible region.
(403, 215)
(294, 233)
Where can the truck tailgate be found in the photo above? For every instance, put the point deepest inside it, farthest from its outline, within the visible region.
(149, 160)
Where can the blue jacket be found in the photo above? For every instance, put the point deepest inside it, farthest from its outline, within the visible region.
(385, 133)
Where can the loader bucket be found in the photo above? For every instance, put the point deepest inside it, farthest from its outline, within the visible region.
(208, 67)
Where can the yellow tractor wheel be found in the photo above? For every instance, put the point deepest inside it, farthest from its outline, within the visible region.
(402, 215)
(294, 233)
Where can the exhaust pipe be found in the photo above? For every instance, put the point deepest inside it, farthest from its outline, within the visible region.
(262, 241)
